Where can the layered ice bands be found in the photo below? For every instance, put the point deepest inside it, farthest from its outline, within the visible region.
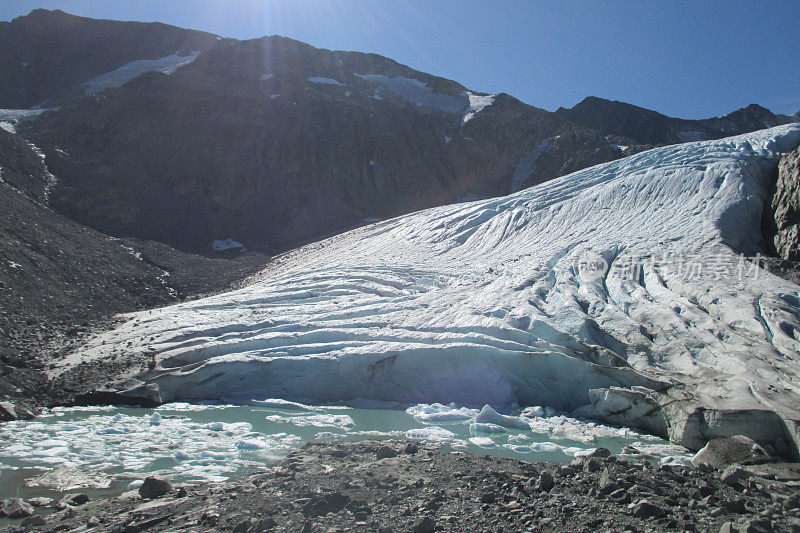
(484, 303)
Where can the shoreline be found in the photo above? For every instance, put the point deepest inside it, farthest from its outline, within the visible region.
(399, 485)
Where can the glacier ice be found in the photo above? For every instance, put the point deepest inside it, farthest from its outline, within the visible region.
(482, 303)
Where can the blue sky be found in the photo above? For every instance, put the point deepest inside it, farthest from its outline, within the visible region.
(686, 59)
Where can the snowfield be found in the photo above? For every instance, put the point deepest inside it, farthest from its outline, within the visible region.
(488, 303)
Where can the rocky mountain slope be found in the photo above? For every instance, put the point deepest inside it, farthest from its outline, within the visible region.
(634, 124)
(58, 277)
(496, 302)
(47, 55)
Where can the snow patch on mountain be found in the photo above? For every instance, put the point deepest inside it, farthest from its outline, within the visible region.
(324, 81)
(417, 92)
(485, 303)
(476, 103)
(125, 73)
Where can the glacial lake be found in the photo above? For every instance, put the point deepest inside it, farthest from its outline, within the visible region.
(108, 450)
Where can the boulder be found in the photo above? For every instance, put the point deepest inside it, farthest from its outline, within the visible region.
(723, 452)
(734, 474)
(154, 487)
(10, 411)
(385, 452)
(424, 525)
(647, 509)
(323, 504)
(16, 508)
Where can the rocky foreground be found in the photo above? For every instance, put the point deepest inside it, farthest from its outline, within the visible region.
(406, 486)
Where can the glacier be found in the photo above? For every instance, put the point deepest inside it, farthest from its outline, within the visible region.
(485, 302)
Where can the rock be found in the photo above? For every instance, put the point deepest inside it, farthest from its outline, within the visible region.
(601, 453)
(723, 452)
(566, 471)
(73, 500)
(488, 497)
(592, 465)
(322, 504)
(546, 481)
(728, 527)
(33, 521)
(424, 525)
(757, 526)
(16, 508)
(647, 509)
(154, 487)
(782, 214)
(606, 484)
(411, 448)
(734, 474)
(385, 452)
(735, 505)
(9, 412)
(40, 501)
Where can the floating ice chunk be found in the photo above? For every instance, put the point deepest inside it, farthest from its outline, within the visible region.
(64, 479)
(321, 420)
(277, 403)
(483, 442)
(477, 428)
(490, 416)
(535, 411)
(434, 434)
(516, 439)
(155, 419)
(546, 447)
(324, 81)
(436, 413)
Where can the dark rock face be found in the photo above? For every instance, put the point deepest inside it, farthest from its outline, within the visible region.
(57, 277)
(649, 127)
(45, 55)
(783, 213)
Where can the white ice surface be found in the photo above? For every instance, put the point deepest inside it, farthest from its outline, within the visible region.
(482, 302)
(125, 73)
